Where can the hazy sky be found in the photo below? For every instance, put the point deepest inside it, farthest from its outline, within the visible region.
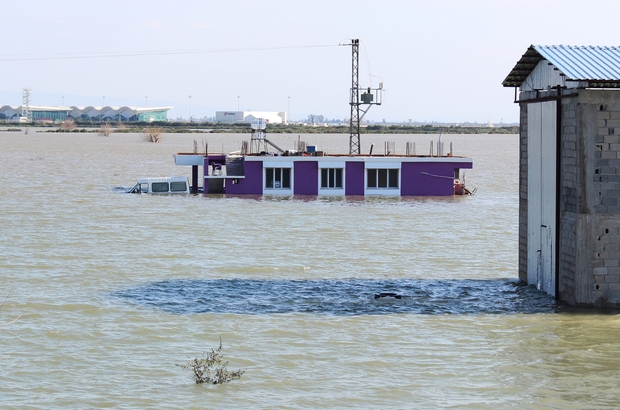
(438, 60)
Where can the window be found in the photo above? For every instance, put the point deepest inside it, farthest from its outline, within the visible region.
(179, 186)
(159, 186)
(382, 178)
(331, 178)
(278, 178)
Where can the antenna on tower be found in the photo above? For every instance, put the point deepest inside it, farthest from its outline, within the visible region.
(26, 104)
(370, 96)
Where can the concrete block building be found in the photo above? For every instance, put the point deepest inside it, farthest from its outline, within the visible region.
(569, 171)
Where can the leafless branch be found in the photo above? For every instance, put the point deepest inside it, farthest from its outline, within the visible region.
(106, 129)
(212, 368)
(152, 134)
(14, 320)
(68, 125)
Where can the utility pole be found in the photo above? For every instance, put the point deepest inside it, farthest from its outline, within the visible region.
(354, 126)
(370, 96)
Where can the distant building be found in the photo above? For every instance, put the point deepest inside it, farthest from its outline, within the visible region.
(35, 113)
(271, 117)
(89, 113)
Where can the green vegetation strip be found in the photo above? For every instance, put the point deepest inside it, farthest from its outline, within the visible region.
(207, 127)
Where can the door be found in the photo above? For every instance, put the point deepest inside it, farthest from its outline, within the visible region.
(541, 190)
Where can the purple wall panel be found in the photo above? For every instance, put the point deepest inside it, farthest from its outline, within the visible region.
(306, 175)
(354, 178)
(251, 184)
(414, 181)
(414, 178)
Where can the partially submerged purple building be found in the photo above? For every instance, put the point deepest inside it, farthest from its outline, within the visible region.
(314, 173)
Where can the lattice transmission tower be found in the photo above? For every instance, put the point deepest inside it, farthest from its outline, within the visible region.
(370, 96)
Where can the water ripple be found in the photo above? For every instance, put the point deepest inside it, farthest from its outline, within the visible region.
(343, 297)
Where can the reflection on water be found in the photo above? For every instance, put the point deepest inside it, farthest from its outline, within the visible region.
(339, 297)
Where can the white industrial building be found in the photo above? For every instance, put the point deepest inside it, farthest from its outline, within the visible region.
(271, 117)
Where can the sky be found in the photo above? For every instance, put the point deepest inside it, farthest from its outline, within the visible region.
(439, 60)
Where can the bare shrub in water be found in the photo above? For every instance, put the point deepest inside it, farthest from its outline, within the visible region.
(106, 129)
(212, 368)
(68, 125)
(152, 134)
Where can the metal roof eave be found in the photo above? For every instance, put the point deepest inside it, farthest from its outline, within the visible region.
(593, 66)
(523, 68)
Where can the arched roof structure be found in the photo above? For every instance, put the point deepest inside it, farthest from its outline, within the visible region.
(88, 113)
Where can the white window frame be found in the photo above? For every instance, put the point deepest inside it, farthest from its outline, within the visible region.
(278, 190)
(387, 190)
(331, 179)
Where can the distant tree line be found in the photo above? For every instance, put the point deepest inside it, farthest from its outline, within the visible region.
(241, 127)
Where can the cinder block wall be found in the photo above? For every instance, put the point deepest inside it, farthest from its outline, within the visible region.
(599, 202)
(569, 210)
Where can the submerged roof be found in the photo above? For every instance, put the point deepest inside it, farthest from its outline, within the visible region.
(576, 63)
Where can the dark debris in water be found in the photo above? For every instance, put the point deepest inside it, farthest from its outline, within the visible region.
(343, 297)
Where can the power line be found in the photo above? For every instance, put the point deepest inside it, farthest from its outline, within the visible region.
(108, 54)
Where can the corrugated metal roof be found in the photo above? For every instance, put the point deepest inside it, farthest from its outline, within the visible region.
(577, 63)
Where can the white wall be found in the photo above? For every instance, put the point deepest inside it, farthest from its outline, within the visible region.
(543, 76)
(272, 117)
(541, 195)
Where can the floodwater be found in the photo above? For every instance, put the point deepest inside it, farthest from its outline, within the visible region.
(112, 290)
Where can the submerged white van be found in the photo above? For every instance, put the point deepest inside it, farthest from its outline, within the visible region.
(167, 185)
